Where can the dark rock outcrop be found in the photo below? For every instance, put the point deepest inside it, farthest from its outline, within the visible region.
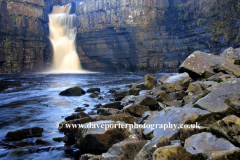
(75, 91)
(24, 133)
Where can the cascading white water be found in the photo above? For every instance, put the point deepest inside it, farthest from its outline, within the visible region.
(63, 31)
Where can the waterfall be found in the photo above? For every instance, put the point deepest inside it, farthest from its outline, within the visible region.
(62, 26)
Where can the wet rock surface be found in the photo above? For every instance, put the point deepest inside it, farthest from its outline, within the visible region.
(24, 133)
(75, 91)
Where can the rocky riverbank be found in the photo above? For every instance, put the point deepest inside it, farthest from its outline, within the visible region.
(204, 93)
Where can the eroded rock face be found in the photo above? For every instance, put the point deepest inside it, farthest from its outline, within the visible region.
(24, 45)
(205, 145)
(229, 128)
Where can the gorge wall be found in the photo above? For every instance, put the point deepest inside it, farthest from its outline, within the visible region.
(113, 35)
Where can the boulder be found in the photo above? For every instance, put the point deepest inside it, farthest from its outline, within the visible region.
(228, 67)
(169, 88)
(141, 100)
(222, 99)
(79, 109)
(145, 86)
(179, 81)
(176, 152)
(189, 99)
(136, 109)
(162, 96)
(219, 77)
(162, 79)
(134, 92)
(121, 94)
(149, 148)
(108, 111)
(205, 84)
(76, 116)
(124, 150)
(75, 91)
(207, 146)
(90, 157)
(188, 132)
(200, 64)
(149, 79)
(93, 95)
(24, 133)
(128, 100)
(229, 53)
(92, 90)
(112, 91)
(177, 95)
(229, 128)
(98, 140)
(194, 89)
(115, 105)
(175, 103)
(173, 115)
(148, 101)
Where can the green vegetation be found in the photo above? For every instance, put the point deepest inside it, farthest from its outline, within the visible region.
(226, 9)
(5, 42)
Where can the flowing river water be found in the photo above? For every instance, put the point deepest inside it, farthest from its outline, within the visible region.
(29, 100)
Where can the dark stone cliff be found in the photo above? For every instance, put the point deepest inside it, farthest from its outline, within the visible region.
(122, 35)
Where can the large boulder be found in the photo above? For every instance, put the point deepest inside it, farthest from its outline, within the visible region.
(124, 150)
(219, 77)
(75, 91)
(200, 64)
(229, 128)
(141, 100)
(223, 99)
(24, 133)
(195, 89)
(98, 140)
(207, 146)
(119, 95)
(136, 109)
(149, 79)
(228, 67)
(115, 105)
(176, 152)
(149, 148)
(177, 116)
(92, 90)
(229, 53)
(162, 79)
(179, 81)
(145, 86)
(162, 96)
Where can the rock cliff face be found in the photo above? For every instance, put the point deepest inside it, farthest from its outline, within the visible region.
(138, 35)
(122, 35)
